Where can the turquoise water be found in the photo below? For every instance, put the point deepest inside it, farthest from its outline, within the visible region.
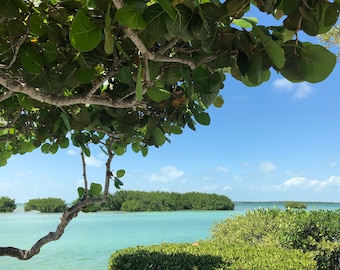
(90, 239)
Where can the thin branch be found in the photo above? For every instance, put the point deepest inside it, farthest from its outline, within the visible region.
(108, 174)
(167, 46)
(84, 173)
(99, 83)
(17, 48)
(6, 95)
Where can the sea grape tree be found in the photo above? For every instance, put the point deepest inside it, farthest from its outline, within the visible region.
(129, 73)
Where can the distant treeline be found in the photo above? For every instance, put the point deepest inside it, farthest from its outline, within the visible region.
(137, 201)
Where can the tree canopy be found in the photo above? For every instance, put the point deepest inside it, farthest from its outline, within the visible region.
(118, 73)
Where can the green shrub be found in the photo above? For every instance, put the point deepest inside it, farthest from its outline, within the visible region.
(314, 232)
(7, 204)
(46, 205)
(209, 255)
(295, 205)
(136, 201)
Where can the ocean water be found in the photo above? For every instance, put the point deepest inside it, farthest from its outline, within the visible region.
(90, 239)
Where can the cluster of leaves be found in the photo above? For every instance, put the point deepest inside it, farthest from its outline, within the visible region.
(209, 255)
(295, 205)
(135, 72)
(313, 232)
(7, 204)
(165, 201)
(46, 205)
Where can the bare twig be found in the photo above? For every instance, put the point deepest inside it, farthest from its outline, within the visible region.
(17, 48)
(84, 173)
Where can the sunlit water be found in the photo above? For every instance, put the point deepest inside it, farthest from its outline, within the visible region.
(90, 239)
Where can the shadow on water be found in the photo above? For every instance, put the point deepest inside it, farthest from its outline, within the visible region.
(142, 260)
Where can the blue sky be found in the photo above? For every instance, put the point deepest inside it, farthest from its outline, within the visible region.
(278, 141)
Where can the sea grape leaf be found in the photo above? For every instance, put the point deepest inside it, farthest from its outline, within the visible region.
(157, 94)
(37, 25)
(120, 173)
(125, 75)
(32, 60)
(131, 17)
(156, 19)
(50, 52)
(84, 34)
(202, 117)
(95, 189)
(317, 62)
(166, 5)
(159, 137)
(139, 86)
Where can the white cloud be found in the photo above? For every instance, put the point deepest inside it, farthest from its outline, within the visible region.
(295, 181)
(267, 166)
(227, 188)
(304, 91)
(222, 169)
(314, 184)
(332, 164)
(283, 85)
(238, 178)
(301, 90)
(94, 162)
(166, 174)
(71, 152)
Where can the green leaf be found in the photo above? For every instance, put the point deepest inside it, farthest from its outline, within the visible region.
(64, 143)
(45, 148)
(66, 121)
(202, 117)
(201, 77)
(176, 130)
(166, 5)
(32, 60)
(135, 147)
(139, 86)
(156, 19)
(144, 150)
(177, 25)
(218, 103)
(244, 23)
(84, 35)
(118, 183)
(84, 75)
(120, 173)
(50, 52)
(131, 17)
(95, 189)
(109, 40)
(159, 137)
(157, 94)
(118, 149)
(5, 154)
(37, 25)
(125, 75)
(317, 62)
(81, 192)
(273, 49)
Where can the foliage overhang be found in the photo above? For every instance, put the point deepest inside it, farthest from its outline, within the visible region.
(136, 71)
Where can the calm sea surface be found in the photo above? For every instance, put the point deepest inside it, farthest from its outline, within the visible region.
(90, 239)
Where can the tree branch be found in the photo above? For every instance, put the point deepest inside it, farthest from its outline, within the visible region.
(65, 219)
(59, 101)
(84, 173)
